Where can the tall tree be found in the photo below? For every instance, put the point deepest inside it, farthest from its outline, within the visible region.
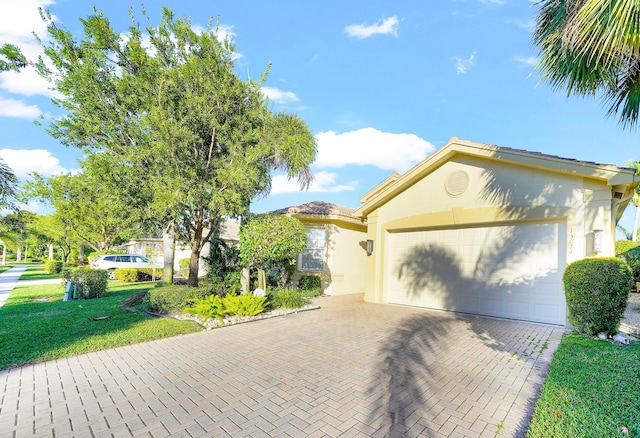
(170, 113)
(86, 208)
(592, 46)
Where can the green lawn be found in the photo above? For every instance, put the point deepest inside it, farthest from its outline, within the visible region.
(5, 268)
(37, 272)
(592, 390)
(36, 325)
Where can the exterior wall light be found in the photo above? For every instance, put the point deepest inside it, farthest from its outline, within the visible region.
(369, 247)
(598, 237)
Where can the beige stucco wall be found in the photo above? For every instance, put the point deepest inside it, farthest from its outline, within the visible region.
(346, 258)
(498, 192)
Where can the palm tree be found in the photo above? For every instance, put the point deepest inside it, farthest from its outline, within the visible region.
(592, 46)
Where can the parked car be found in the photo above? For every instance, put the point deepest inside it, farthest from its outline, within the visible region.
(111, 262)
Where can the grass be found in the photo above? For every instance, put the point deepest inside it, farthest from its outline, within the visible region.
(592, 390)
(37, 272)
(5, 268)
(36, 325)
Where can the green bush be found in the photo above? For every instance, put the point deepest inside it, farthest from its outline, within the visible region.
(287, 298)
(184, 267)
(147, 274)
(632, 258)
(136, 274)
(173, 298)
(208, 307)
(311, 285)
(244, 305)
(623, 246)
(597, 290)
(126, 274)
(88, 283)
(53, 266)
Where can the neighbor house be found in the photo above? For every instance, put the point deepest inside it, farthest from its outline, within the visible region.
(489, 230)
(152, 246)
(336, 246)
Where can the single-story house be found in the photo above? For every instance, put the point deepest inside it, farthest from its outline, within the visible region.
(152, 246)
(336, 246)
(486, 230)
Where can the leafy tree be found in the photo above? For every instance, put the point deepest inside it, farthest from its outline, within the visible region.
(172, 117)
(591, 46)
(86, 210)
(270, 237)
(57, 233)
(14, 229)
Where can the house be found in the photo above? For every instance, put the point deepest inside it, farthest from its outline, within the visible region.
(336, 246)
(152, 246)
(488, 230)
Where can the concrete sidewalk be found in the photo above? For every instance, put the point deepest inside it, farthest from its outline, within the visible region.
(349, 369)
(11, 278)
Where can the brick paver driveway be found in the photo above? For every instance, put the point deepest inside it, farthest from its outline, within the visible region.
(348, 369)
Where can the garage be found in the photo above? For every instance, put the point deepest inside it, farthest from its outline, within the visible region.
(489, 230)
(508, 271)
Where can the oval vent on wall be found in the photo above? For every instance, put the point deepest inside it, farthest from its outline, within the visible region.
(457, 183)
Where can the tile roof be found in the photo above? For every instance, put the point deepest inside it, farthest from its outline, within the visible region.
(319, 208)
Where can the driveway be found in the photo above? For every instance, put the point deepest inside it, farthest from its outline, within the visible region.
(349, 369)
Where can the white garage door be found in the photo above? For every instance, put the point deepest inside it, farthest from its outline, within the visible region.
(510, 271)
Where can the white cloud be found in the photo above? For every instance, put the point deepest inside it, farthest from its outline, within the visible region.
(494, 2)
(279, 96)
(368, 146)
(16, 108)
(528, 25)
(385, 26)
(527, 61)
(25, 161)
(18, 21)
(463, 65)
(323, 182)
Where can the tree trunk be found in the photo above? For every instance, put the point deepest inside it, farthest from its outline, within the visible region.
(194, 261)
(634, 235)
(4, 255)
(168, 254)
(19, 255)
(50, 251)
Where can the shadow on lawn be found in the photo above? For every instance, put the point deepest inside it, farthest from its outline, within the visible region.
(36, 325)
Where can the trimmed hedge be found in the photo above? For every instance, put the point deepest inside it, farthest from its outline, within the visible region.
(136, 274)
(53, 266)
(88, 283)
(597, 290)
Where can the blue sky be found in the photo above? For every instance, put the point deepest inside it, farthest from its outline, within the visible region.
(382, 85)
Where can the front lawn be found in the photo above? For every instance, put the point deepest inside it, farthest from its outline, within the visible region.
(37, 272)
(592, 390)
(36, 325)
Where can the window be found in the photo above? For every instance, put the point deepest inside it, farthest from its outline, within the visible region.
(314, 257)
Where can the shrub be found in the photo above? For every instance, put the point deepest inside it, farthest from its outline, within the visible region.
(287, 298)
(244, 305)
(53, 266)
(136, 274)
(126, 274)
(88, 283)
(632, 258)
(208, 307)
(311, 286)
(174, 298)
(597, 290)
(623, 246)
(147, 274)
(183, 265)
